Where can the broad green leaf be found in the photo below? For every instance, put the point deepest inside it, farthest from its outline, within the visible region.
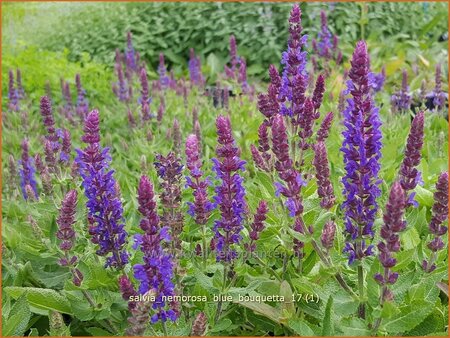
(41, 300)
(300, 327)
(409, 317)
(328, 323)
(18, 319)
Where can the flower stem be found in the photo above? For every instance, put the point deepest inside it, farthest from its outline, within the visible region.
(362, 308)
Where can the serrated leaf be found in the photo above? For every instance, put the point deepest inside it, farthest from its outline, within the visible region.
(328, 325)
(409, 317)
(18, 319)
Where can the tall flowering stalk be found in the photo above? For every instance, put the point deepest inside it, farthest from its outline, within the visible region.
(170, 169)
(361, 148)
(436, 227)
(326, 45)
(229, 194)
(13, 95)
(66, 234)
(145, 99)
(401, 100)
(439, 96)
(104, 205)
(409, 175)
(390, 244)
(20, 90)
(257, 226)
(378, 80)
(230, 72)
(82, 106)
(162, 71)
(121, 88)
(195, 70)
(157, 270)
(27, 173)
(362, 153)
(131, 58)
(48, 120)
(324, 187)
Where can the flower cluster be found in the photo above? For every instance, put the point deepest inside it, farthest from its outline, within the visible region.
(195, 70)
(131, 57)
(230, 72)
(20, 90)
(257, 225)
(66, 234)
(230, 193)
(328, 234)
(144, 100)
(121, 88)
(170, 169)
(439, 96)
(361, 148)
(392, 226)
(162, 71)
(377, 80)
(13, 94)
(401, 100)
(440, 215)
(326, 45)
(409, 175)
(202, 207)
(82, 106)
(27, 180)
(157, 270)
(104, 205)
(324, 187)
(67, 108)
(199, 325)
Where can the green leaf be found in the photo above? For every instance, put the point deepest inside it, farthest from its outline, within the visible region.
(222, 325)
(300, 327)
(328, 325)
(262, 309)
(286, 292)
(409, 317)
(41, 300)
(18, 319)
(424, 196)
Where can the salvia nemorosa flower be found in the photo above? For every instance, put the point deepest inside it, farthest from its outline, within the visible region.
(13, 95)
(199, 325)
(325, 126)
(324, 45)
(401, 100)
(328, 234)
(295, 76)
(144, 100)
(242, 75)
(48, 120)
(390, 243)
(324, 187)
(13, 174)
(26, 172)
(409, 175)
(161, 110)
(66, 146)
(67, 108)
(82, 106)
(195, 70)
(157, 270)
(230, 72)
(66, 234)
(377, 80)
(201, 208)
(162, 71)
(198, 131)
(361, 148)
(257, 226)
(50, 156)
(104, 205)
(120, 88)
(170, 170)
(293, 181)
(127, 290)
(268, 104)
(140, 316)
(439, 96)
(20, 91)
(229, 194)
(130, 55)
(436, 227)
(176, 131)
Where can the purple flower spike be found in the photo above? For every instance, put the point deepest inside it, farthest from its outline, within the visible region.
(20, 91)
(157, 271)
(401, 100)
(361, 148)
(202, 207)
(144, 100)
(393, 225)
(82, 107)
(66, 220)
(257, 226)
(328, 234)
(13, 95)
(325, 189)
(436, 227)
(195, 70)
(438, 95)
(131, 57)
(377, 80)
(48, 119)
(409, 175)
(230, 193)
(104, 205)
(26, 173)
(162, 71)
(325, 126)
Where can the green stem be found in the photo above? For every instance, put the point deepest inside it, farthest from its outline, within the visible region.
(361, 309)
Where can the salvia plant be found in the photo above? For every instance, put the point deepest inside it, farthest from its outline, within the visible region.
(181, 211)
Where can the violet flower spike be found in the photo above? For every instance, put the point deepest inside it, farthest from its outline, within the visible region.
(439, 216)
(257, 226)
(162, 71)
(439, 96)
(157, 270)
(230, 192)
(82, 106)
(324, 187)
(362, 153)
(401, 100)
(104, 205)
(409, 175)
(13, 95)
(144, 100)
(27, 173)
(325, 126)
(392, 226)
(20, 91)
(202, 207)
